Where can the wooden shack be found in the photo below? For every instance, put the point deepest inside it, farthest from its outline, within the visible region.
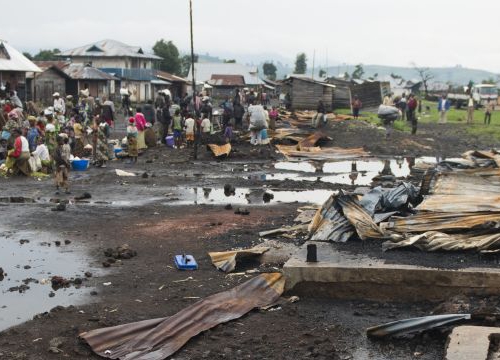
(371, 93)
(341, 94)
(306, 92)
(52, 79)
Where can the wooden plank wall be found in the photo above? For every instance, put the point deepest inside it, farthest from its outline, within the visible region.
(305, 95)
(370, 94)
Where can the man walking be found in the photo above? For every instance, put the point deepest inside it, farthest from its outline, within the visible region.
(488, 110)
(412, 106)
(443, 107)
(356, 106)
(470, 110)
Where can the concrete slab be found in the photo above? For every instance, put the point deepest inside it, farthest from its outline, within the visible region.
(342, 275)
(470, 343)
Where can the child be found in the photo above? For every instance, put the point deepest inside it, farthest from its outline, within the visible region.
(228, 132)
(61, 159)
(177, 127)
(43, 154)
(273, 117)
(189, 128)
(132, 134)
(206, 128)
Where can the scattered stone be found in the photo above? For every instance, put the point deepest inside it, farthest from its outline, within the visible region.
(2, 274)
(93, 293)
(267, 197)
(59, 282)
(228, 207)
(242, 211)
(106, 264)
(229, 190)
(27, 267)
(57, 242)
(59, 207)
(20, 288)
(78, 281)
(121, 252)
(84, 196)
(23, 241)
(145, 175)
(88, 274)
(30, 280)
(67, 242)
(149, 161)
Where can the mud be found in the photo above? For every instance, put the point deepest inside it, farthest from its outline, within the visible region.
(181, 207)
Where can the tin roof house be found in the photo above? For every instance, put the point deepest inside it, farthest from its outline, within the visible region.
(13, 68)
(134, 67)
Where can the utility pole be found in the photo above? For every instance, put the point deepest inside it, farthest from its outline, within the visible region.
(314, 59)
(193, 97)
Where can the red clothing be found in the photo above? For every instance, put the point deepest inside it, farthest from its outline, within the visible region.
(18, 147)
(356, 104)
(140, 121)
(412, 104)
(7, 108)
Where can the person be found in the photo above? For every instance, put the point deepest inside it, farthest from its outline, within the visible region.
(206, 128)
(18, 157)
(177, 128)
(356, 107)
(443, 108)
(140, 123)
(387, 100)
(238, 113)
(160, 100)
(273, 117)
(108, 111)
(69, 106)
(257, 120)
(125, 95)
(189, 128)
(33, 134)
(164, 119)
(402, 106)
(206, 107)
(61, 160)
(50, 135)
(42, 153)
(320, 113)
(100, 140)
(15, 100)
(488, 110)
(59, 107)
(149, 112)
(412, 117)
(132, 134)
(470, 110)
(78, 131)
(227, 113)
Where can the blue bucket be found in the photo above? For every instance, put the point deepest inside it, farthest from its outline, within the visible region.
(80, 165)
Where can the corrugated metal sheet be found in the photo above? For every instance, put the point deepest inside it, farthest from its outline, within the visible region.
(227, 80)
(220, 150)
(81, 72)
(108, 48)
(226, 261)
(316, 153)
(13, 60)
(159, 338)
(204, 72)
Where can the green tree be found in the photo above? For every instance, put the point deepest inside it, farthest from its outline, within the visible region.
(300, 64)
(230, 61)
(186, 64)
(170, 56)
(489, 81)
(47, 55)
(28, 55)
(269, 70)
(425, 74)
(322, 73)
(358, 72)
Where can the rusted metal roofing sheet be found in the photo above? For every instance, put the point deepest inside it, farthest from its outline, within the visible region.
(329, 224)
(360, 219)
(317, 153)
(220, 150)
(226, 261)
(159, 338)
(438, 241)
(442, 221)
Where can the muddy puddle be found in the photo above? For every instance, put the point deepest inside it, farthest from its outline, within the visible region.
(29, 263)
(245, 196)
(360, 172)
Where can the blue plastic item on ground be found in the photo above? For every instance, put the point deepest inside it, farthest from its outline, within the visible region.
(118, 150)
(80, 165)
(170, 142)
(185, 262)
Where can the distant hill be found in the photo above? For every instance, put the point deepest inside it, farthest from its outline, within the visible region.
(455, 75)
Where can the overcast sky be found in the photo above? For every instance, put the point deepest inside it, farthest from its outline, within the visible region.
(387, 32)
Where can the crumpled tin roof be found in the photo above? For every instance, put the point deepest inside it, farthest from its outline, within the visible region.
(13, 60)
(81, 72)
(108, 48)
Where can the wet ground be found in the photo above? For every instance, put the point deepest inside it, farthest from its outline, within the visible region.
(176, 204)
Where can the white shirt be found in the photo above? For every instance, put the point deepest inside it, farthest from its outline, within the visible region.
(50, 128)
(205, 125)
(25, 146)
(471, 102)
(443, 104)
(42, 152)
(59, 105)
(189, 126)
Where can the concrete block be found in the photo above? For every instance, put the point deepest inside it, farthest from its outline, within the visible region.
(342, 275)
(470, 342)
